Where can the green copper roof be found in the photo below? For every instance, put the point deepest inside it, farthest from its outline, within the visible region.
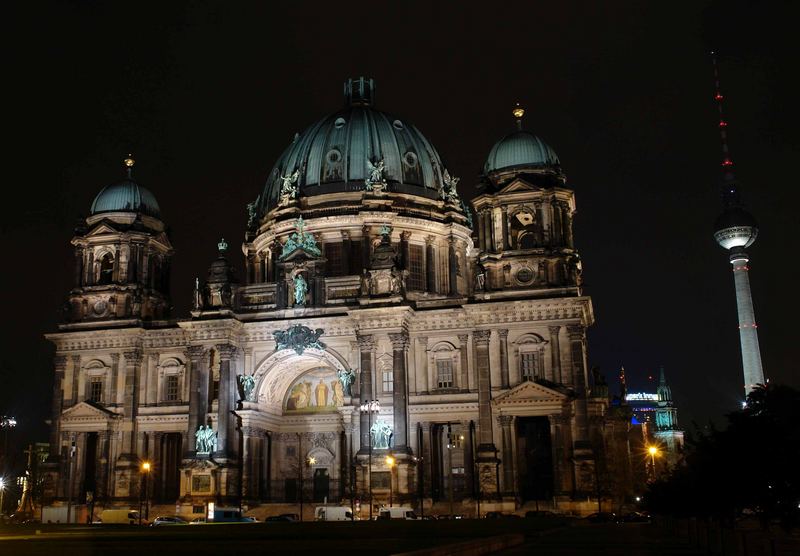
(335, 154)
(519, 149)
(126, 196)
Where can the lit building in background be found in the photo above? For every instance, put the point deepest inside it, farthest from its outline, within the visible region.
(367, 278)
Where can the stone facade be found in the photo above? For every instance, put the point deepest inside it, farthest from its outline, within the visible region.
(472, 341)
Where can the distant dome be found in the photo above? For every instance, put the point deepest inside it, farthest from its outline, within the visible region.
(126, 196)
(334, 154)
(521, 149)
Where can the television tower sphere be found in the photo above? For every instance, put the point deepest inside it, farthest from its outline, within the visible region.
(735, 228)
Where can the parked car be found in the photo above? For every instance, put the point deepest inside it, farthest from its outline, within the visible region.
(601, 517)
(402, 512)
(500, 515)
(278, 518)
(635, 517)
(539, 513)
(128, 517)
(334, 513)
(168, 520)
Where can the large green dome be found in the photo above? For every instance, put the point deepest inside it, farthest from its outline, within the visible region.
(126, 196)
(521, 149)
(334, 154)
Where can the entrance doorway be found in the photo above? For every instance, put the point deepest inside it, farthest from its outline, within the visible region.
(534, 458)
(322, 484)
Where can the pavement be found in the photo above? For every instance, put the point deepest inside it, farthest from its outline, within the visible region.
(605, 539)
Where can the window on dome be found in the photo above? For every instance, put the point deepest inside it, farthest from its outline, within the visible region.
(416, 268)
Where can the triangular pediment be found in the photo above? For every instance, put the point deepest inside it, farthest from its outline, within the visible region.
(518, 185)
(529, 393)
(85, 410)
(102, 228)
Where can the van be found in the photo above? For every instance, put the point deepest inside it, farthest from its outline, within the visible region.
(402, 512)
(128, 517)
(333, 513)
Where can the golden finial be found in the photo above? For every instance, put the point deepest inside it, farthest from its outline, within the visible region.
(518, 111)
(129, 162)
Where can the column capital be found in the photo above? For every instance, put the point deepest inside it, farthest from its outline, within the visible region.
(576, 332)
(451, 240)
(463, 339)
(365, 229)
(133, 357)
(195, 352)
(345, 235)
(429, 240)
(60, 362)
(154, 357)
(366, 342)
(226, 351)
(505, 420)
(405, 235)
(115, 358)
(482, 337)
(399, 341)
(554, 329)
(503, 333)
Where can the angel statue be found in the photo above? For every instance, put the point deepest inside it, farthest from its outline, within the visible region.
(375, 182)
(248, 383)
(449, 191)
(289, 186)
(300, 289)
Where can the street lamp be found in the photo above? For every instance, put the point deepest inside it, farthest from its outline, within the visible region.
(653, 451)
(369, 407)
(2, 493)
(390, 461)
(146, 466)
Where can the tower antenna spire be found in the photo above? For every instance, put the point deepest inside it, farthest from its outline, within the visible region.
(730, 189)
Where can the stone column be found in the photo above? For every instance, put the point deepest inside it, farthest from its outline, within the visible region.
(423, 385)
(555, 355)
(481, 339)
(198, 394)
(76, 378)
(405, 249)
(366, 249)
(452, 266)
(101, 488)
(150, 386)
(568, 227)
(258, 261)
(78, 266)
(481, 228)
(463, 339)
(505, 422)
(366, 346)
(59, 365)
(399, 393)
(90, 269)
(430, 265)
(555, 225)
(469, 457)
(425, 452)
(115, 268)
(576, 341)
(345, 252)
(504, 382)
(133, 362)
(249, 461)
(506, 236)
(114, 395)
(226, 438)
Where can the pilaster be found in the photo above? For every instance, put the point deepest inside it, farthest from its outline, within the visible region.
(399, 393)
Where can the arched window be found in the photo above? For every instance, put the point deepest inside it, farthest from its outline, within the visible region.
(530, 357)
(386, 373)
(445, 361)
(106, 269)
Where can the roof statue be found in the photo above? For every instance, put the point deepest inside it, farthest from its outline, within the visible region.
(375, 182)
(289, 187)
(252, 212)
(449, 191)
(300, 240)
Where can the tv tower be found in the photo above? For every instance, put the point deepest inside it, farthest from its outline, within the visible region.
(735, 230)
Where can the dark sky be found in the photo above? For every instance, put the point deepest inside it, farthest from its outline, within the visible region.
(208, 95)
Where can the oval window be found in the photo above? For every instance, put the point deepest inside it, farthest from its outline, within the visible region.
(339, 123)
(333, 156)
(410, 159)
(525, 275)
(397, 124)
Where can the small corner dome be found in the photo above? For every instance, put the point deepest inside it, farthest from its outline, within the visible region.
(520, 149)
(126, 196)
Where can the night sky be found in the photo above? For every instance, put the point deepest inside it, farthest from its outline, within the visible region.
(208, 95)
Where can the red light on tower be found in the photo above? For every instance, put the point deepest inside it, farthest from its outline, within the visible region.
(727, 163)
(723, 124)
(718, 96)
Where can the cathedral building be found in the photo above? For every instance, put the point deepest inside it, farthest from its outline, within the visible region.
(380, 314)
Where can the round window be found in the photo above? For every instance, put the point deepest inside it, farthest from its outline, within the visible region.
(339, 123)
(410, 159)
(525, 275)
(397, 124)
(333, 156)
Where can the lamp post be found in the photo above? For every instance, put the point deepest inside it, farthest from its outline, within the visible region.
(390, 461)
(369, 407)
(653, 451)
(2, 494)
(146, 466)
(449, 473)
